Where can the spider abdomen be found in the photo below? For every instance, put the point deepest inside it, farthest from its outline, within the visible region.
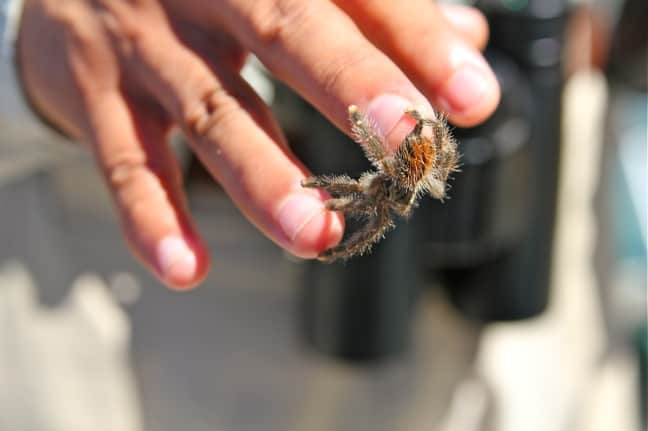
(415, 160)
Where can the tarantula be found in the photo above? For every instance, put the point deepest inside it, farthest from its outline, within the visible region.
(422, 163)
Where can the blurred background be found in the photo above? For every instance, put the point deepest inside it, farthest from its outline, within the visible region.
(518, 304)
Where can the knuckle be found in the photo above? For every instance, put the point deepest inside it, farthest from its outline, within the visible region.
(125, 170)
(128, 24)
(75, 22)
(129, 37)
(271, 22)
(206, 115)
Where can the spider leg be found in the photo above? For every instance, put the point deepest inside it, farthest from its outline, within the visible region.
(367, 135)
(447, 160)
(350, 205)
(446, 145)
(443, 143)
(341, 184)
(361, 241)
(416, 116)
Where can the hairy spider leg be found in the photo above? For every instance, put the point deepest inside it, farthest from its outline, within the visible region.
(351, 205)
(334, 184)
(405, 211)
(367, 135)
(439, 133)
(446, 149)
(416, 115)
(445, 160)
(362, 240)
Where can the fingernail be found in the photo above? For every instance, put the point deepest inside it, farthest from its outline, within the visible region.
(387, 112)
(468, 85)
(176, 260)
(299, 211)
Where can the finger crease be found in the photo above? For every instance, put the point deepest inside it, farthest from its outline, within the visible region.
(197, 121)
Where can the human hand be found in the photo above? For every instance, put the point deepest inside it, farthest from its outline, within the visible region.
(120, 74)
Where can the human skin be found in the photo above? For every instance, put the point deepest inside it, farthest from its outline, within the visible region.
(119, 75)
